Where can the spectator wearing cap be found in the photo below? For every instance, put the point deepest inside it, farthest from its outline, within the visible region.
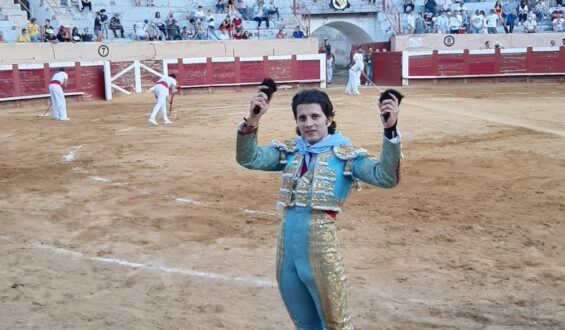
(116, 25)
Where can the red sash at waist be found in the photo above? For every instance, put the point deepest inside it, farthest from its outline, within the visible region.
(56, 82)
(163, 83)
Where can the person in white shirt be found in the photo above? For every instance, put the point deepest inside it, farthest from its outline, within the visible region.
(410, 23)
(354, 76)
(477, 22)
(492, 22)
(443, 22)
(58, 103)
(530, 25)
(161, 90)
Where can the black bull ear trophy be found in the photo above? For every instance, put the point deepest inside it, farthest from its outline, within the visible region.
(339, 4)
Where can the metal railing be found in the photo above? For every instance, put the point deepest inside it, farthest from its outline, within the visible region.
(301, 15)
(392, 14)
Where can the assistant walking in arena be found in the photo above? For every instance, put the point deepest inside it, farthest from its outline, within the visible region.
(319, 167)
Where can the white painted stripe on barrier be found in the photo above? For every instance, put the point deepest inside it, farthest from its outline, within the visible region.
(450, 51)
(279, 57)
(481, 51)
(311, 57)
(250, 281)
(513, 50)
(194, 60)
(419, 52)
(28, 66)
(223, 59)
(250, 59)
(545, 49)
(62, 65)
(170, 61)
(92, 63)
(5, 67)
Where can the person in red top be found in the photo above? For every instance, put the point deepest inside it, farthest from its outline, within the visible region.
(237, 22)
(226, 25)
(237, 35)
(280, 34)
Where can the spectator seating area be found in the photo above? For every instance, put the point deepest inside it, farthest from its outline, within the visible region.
(68, 14)
(447, 16)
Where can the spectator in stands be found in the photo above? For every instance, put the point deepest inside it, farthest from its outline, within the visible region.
(46, 25)
(104, 21)
(226, 25)
(86, 36)
(530, 25)
(23, 37)
(242, 8)
(464, 20)
(410, 26)
(173, 31)
(238, 34)
(408, 6)
(86, 3)
(220, 6)
(523, 11)
(137, 3)
(273, 9)
(559, 24)
(477, 22)
(2, 37)
(280, 34)
(368, 62)
(430, 6)
(454, 23)
(199, 14)
(557, 13)
(116, 25)
(492, 22)
(50, 36)
(541, 10)
(169, 19)
(259, 14)
(64, 33)
(33, 30)
(212, 33)
(498, 10)
(237, 22)
(97, 27)
(420, 24)
(231, 7)
(185, 34)
(199, 31)
(158, 22)
(447, 5)
(140, 30)
(150, 3)
(429, 21)
(506, 9)
(75, 35)
(443, 22)
(510, 22)
(223, 35)
(246, 35)
(210, 24)
(297, 34)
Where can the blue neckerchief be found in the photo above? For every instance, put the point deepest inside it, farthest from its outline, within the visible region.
(330, 141)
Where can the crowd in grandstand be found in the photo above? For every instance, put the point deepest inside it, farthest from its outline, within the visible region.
(202, 25)
(443, 16)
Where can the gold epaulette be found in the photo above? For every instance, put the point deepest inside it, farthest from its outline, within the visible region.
(344, 152)
(288, 146)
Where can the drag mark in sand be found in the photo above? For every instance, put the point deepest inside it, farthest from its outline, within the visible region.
(100, 179)
(69, 156)
(249, 281)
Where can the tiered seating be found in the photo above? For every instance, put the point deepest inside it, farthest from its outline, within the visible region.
(12, 19)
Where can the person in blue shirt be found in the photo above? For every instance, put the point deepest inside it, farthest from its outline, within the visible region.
(297, 34)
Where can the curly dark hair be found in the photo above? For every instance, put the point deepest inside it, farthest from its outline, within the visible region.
(310, 96)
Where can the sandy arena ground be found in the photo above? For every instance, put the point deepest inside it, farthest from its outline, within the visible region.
(108, 223)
